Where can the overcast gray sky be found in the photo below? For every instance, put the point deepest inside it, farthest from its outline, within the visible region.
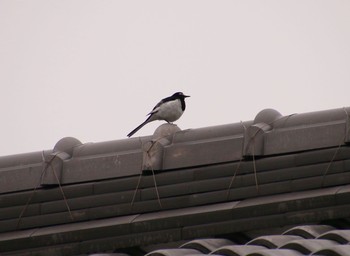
(94, 69)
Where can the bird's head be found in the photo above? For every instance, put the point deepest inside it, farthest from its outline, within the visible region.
(180, 95)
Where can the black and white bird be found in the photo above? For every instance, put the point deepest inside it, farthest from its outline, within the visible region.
(169, 109)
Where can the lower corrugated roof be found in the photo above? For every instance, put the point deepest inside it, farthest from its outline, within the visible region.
(322, 240)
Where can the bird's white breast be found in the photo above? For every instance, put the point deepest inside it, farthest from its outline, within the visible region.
(170, 111)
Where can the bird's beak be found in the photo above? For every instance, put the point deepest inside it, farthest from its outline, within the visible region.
(186, 96)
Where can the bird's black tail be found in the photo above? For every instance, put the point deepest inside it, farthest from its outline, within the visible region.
(138, 128)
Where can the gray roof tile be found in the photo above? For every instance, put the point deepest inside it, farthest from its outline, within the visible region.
(109, 254)
(340, 236)
(238, 250)
(309, 231)
(207, 245)
(174, 252)
(273, 241)
(337, 250)
(276, 252)
(308, 246)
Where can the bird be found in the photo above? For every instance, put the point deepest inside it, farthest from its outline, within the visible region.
(169, 109)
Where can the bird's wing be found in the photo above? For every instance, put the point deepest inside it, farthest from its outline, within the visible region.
(156, 108)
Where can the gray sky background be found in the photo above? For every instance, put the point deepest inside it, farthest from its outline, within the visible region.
(94, 69)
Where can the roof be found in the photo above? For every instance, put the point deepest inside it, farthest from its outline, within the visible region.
(209, 187)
